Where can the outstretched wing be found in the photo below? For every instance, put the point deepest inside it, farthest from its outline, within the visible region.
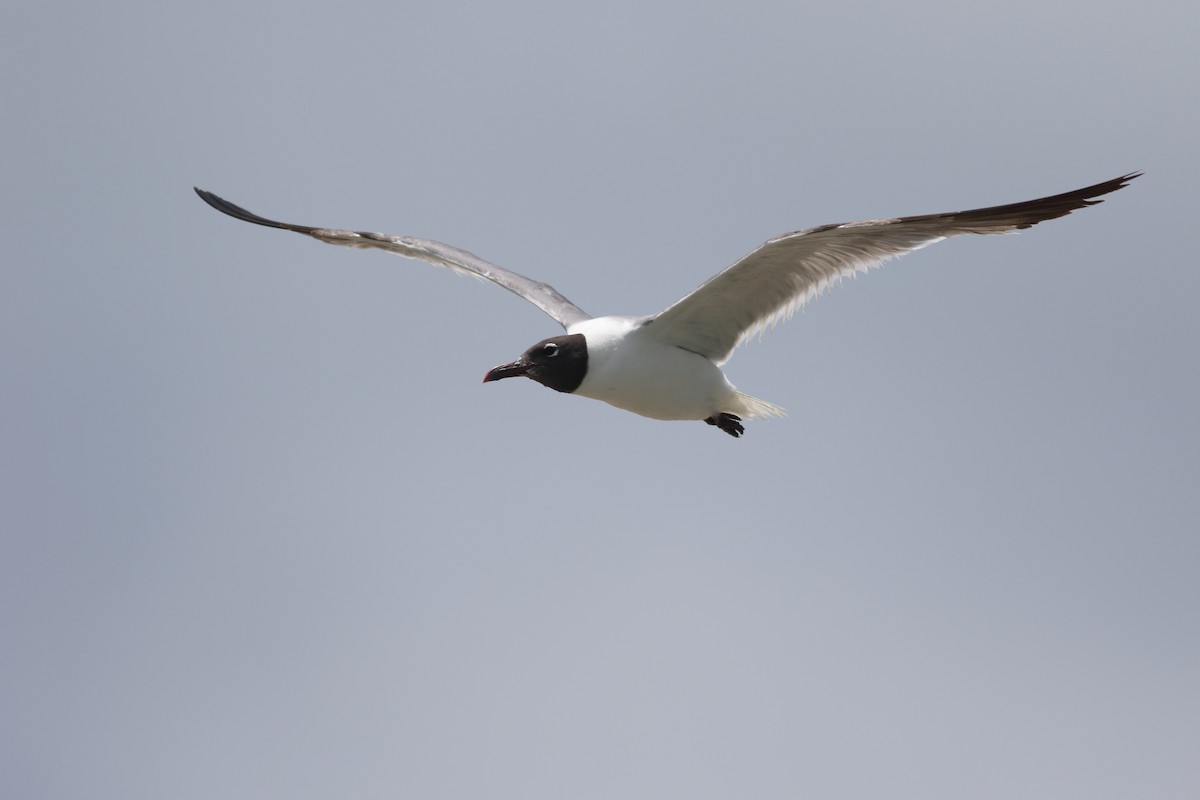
(772, 282)
(540, 294)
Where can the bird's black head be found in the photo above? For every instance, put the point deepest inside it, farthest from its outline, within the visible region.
(559, 362)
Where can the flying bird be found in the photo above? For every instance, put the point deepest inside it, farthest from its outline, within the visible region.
(668, 365)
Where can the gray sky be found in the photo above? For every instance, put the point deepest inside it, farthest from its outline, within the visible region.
(265, 534)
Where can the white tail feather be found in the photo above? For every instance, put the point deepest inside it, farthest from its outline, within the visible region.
(753, 408)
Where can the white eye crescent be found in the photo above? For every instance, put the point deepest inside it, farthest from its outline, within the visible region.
(549, 349)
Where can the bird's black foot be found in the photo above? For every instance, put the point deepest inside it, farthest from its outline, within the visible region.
(730, 423)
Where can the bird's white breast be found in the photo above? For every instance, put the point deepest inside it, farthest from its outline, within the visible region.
(633, 371)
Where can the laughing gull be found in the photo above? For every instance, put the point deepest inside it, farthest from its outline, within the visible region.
(668, 365)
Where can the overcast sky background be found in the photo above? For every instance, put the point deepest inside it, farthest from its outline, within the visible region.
(264, 534)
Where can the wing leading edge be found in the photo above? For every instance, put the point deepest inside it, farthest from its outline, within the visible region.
(542, 295)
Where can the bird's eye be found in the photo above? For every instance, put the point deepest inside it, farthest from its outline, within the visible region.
(549, 349)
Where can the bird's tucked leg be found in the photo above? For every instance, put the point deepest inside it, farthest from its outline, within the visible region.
(730, 423)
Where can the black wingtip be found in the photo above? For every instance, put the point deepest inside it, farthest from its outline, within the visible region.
(1023, 215)
(237, 212)
(1109, 186)
(1090, 195)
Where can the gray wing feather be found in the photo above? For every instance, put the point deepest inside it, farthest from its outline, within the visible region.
(540, 294)
(771, 283)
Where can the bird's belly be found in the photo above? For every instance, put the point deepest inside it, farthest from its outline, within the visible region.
(660, 382)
